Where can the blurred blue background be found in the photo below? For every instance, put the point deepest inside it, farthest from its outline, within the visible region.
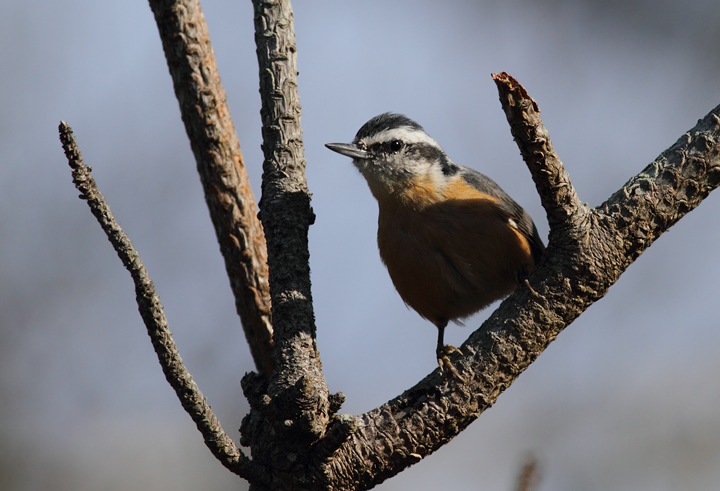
(625, 399)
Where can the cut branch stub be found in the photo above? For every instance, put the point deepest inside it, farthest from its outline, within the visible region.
(557, 194)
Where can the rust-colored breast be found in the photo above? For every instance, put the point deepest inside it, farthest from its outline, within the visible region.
(449, 253)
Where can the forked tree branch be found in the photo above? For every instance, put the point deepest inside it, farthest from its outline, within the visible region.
(587, 252)
(294, 411)
(221, 446)
(206, 115)
(297, 439)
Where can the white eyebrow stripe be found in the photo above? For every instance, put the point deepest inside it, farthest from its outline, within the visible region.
(403, 133)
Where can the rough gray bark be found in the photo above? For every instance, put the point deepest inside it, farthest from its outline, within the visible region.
(297, 439)
(295, 407)
(285, 205)
(206, 115)
(587, 251)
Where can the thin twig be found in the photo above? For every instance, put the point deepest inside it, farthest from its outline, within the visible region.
(222, 446)
(528, 478)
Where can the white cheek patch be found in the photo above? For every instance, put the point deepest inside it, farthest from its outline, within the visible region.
(439, 180)
(403, 133)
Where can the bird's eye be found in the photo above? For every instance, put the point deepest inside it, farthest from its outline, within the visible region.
(395, 146)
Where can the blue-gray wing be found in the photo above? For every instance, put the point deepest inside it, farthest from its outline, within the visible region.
(525, 224)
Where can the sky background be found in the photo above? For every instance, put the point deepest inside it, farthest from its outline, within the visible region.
(625, 399)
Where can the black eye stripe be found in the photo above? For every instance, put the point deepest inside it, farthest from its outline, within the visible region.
(418, 150)
(392, 146)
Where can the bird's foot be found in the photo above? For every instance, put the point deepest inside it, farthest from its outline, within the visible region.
(532, 292)
(446, 364)
(521, 278)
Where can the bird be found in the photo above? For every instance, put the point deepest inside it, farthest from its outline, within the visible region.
(452, 240)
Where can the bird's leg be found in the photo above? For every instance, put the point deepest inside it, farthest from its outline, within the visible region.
(443, 350)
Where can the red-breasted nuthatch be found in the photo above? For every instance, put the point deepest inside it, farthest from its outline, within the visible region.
(452, 240)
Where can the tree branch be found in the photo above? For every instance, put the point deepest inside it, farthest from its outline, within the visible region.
(206, 115)
(588, 251)
(294, 411)
(297, 440)
(192, 400)
(667, 189)
(557, 194)
(285, 205)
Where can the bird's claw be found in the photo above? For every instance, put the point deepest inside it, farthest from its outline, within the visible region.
(532, 292)
(445, 363)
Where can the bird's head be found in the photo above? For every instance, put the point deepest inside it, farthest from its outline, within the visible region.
(393, 152)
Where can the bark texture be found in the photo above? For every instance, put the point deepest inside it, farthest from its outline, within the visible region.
(297, 439)
(587, 252)
(206, 115)
(192, 400)
(292, 413)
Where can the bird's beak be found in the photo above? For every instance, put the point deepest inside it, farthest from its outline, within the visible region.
(348, 149)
